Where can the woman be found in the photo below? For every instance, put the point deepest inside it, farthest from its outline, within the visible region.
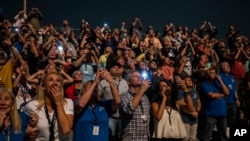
(104, 56)
(50, 68)
(55, 112)
(15, 126)
(92, 115)
(168, 123)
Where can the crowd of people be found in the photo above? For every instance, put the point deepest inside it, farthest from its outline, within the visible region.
(129, 83)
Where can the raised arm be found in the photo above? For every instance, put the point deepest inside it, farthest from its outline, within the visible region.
(158, 109)
(85, 97)
(115, 93)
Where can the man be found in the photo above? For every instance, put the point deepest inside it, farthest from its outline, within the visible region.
(135, 109)
(213, 99)
(232, 99)
(106, 94)
(190, 105)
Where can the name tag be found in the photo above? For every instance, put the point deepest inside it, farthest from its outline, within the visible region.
(171, 128)
(96, 130)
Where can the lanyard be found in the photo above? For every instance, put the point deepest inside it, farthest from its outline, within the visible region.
(169, 113)
(6, 133)
(51, 123)
(94, 112)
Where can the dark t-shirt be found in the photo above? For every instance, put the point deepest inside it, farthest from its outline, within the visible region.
(31, 60)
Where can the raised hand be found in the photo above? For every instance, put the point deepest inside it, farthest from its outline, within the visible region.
(57, 94)
(33, 120)
(2, 117)
(31, 132)
(106, 75)
(145, 84)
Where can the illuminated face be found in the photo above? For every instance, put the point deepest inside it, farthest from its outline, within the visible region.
(68, 53)
(211, 74)
(52, 53)
(78, 76)
(225, 67)
(116, 70)
(6, 102)
(164, 87)
(53, 80)
(135, 79)
(121, 61)
(51, 68)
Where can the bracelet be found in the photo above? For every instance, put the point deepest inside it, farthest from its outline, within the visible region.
(186, 93)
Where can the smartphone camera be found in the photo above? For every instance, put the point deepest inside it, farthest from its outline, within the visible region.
(16, 29)
(144, 75)
(60, 49)
(101, 66)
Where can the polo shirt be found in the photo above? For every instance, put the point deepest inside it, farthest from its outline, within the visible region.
(93, 118)
(213, 107)
(16, 135)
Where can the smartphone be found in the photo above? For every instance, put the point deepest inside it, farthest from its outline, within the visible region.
(101, 66)
(15, 29)
(144, 75)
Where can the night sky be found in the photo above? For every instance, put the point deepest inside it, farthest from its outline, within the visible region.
(191, 13)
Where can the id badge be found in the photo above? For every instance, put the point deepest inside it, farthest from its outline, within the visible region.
(144, 118)
(171, 129)
(96, 130)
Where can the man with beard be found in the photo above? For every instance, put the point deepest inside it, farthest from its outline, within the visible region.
(135, 109)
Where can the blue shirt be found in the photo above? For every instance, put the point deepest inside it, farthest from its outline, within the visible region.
(93, 117)
(16, 135)
(88, 71)
(213, 107)
(230, 83)
(188, 118)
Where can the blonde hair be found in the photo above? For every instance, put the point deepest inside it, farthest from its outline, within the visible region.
(40, 97)
(14, 114)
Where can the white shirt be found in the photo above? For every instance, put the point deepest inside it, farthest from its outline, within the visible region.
(43, 124)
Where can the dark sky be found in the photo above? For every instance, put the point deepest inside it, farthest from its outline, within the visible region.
(191, 13)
